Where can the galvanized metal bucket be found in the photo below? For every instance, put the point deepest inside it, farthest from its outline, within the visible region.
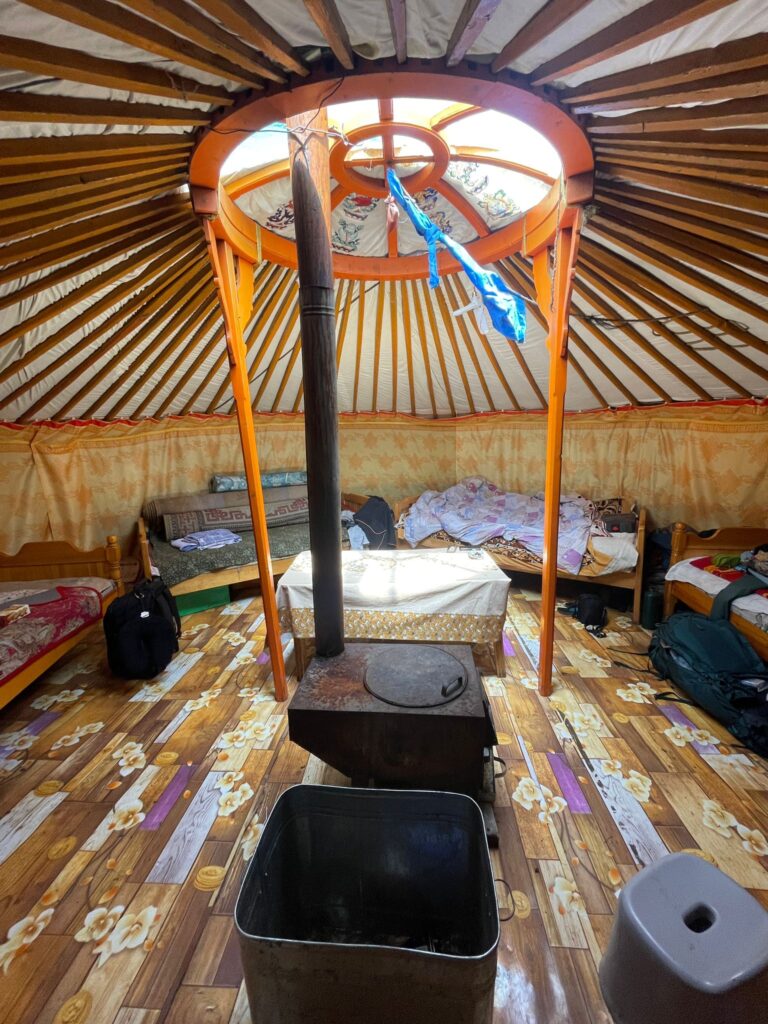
(365, 906)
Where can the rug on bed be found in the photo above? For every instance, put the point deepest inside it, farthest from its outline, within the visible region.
(176, 517)
(155, 508)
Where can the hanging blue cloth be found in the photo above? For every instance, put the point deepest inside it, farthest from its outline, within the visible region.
(506, 309)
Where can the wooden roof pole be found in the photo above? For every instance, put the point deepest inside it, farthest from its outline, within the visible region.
(235, 295)
(554, 298)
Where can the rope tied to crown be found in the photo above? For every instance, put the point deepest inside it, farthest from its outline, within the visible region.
(505, 307)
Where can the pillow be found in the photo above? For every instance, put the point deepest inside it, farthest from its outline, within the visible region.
(276, 478)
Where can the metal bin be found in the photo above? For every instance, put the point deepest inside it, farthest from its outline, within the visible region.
(364, 906)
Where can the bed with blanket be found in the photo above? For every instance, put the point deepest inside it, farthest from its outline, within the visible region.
(50, 595)
(510, 527)
(694, 578)
(165, 523)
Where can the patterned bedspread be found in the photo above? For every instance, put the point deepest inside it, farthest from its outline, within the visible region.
(475, 511)
(54, 615)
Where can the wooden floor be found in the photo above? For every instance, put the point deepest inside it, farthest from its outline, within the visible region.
(128, 813)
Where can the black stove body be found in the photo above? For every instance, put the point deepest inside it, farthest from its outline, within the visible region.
(400, 714)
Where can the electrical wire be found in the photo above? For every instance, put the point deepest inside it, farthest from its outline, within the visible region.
(613, 323)
(258, 376)
(284, 129)
(609, 322)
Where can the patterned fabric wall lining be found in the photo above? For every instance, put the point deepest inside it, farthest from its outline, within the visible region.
(82, 482)
(65, 356)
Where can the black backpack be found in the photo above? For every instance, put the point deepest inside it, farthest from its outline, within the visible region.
(142, 630)
(590, 610)
(714, 665)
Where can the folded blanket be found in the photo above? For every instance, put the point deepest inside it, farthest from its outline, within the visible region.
(276, 478)
(207, 539)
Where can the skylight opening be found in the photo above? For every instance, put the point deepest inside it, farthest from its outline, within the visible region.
(495, 133)
(506, 136)
(267, 146)
(472, 172)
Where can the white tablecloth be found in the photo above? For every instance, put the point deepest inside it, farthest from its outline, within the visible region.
(424, 594)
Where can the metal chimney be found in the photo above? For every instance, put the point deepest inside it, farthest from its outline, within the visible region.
(321, 429)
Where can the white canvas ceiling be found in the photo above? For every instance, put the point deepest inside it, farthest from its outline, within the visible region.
(107, 306)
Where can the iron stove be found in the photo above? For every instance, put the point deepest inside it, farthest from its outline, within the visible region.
(397, 715)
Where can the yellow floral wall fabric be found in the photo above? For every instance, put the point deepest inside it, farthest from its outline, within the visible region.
(24, 508)
(706, 465)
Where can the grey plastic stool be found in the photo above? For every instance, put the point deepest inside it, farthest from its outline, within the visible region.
(688, 944)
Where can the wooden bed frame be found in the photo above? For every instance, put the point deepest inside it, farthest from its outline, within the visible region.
(732, 540)
(632, 580)
(248, 573)
(56, 560)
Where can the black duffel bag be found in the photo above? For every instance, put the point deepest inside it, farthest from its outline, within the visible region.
(142, 630)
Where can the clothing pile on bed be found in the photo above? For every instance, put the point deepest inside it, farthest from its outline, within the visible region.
(477, 512)
(712, 574)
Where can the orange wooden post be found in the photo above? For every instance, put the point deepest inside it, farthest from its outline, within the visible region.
(555, 299)
(235, 296)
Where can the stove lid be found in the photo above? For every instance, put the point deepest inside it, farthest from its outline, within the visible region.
(415, 676)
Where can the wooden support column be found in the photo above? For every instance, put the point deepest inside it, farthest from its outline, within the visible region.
(236, 294)
(310, 182)
(554, 299)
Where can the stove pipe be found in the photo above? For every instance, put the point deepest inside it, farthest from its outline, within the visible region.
(321, 429)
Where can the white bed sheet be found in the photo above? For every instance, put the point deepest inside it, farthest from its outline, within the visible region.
(753, 607)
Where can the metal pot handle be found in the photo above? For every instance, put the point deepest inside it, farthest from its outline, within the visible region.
(453, 687)
(510, 913)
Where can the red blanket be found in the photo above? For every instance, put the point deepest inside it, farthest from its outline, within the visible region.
(28, 638)
(730, 575)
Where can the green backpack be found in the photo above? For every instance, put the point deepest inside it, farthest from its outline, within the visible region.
(711, 662)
